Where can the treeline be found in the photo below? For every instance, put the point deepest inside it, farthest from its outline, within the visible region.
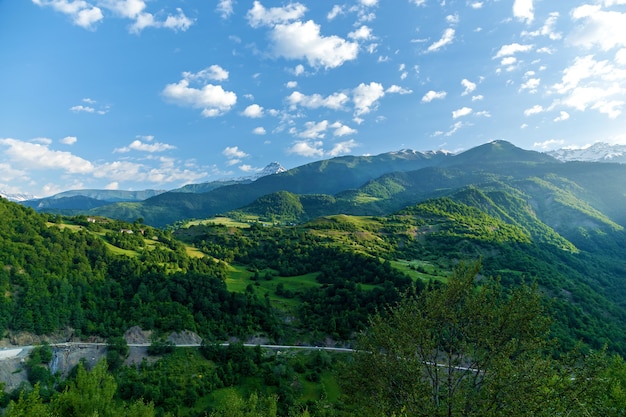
(352, 286)
(54, 276)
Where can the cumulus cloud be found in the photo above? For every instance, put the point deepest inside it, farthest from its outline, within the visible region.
(563, 115)
(524, 10)
(334, 101)
(39, 156)
(547, 29)
(260, 16)
(362, 33)
(592, 84)
(463, 111)
(69, 140)
(314, 130)
(232, 152)
(342, 148)
(512, 49)
(253, 111)
(396, 89)
(432, 95)
(531, 85)
(295, 39)
(82, 13)
(366, 97)
(601, 28)
(536, 109)
(213, 72)
(90, 107)
(86, 15)
(212, 99)
(468, 85)
(311, 149)
(259, 130)
(336, 11)
(303, 40)
(138, 145)
(225, 8)
(341, 129)
(446, 39)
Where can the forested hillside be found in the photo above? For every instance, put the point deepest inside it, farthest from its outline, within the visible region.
(283, 270)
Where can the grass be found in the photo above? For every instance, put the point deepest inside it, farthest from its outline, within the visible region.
(411, 269)
(222, 220)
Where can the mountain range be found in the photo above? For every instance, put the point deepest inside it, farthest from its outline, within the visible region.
(365, 184)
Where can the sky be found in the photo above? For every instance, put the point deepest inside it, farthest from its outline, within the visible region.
(155, 94)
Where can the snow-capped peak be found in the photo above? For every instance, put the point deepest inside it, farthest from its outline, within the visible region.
(598, 152)
(17, 197)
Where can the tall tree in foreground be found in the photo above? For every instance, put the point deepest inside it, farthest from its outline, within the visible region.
(466, 349)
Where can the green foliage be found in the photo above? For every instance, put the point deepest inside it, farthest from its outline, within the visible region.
(470, 350)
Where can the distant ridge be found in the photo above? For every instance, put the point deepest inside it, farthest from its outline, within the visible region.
(598, 152)
(16, 197)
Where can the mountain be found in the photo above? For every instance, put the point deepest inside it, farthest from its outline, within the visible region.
(598, 152)
(270, 169)
(322, 177)
(16, 197)
(76, 201)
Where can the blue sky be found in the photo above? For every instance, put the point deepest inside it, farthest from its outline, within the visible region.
(134, 94)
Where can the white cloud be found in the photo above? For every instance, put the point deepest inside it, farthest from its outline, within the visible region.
(214, 72)
(86, 15)
(82, 13)
(362, 33)
(432, 95)
(90, 107)
(620, 57)
(260, 16)
(40, 156)
(512, 49)
(476, 5)
(314, 130)
(291, 84)
(597, 85)
(138, 145)
(302, 40)
(396, 89)
(336, 11)
(366, 97)
(549, 144)
(335, 101)
(308, 149)
(212, 99)
(112, 186)
(225, 8)
(369, 3)
(418, 2)
(446, 38)
(69, 140)
(547, 29)
(524, 10)
(342, 148)
(463, 111)
(452, 19)
(531, 85)
(599, 27)
(233, 152)
(563, 115)
(253, 111)
(342, 130)
(477, 97)
(259, 130)
(468, 85)
(536, 109)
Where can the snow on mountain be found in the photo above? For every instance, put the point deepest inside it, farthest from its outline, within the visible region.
(598, 152)
(271, 169)
(17, 197)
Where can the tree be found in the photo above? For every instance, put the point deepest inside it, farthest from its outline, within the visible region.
(460, 349)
